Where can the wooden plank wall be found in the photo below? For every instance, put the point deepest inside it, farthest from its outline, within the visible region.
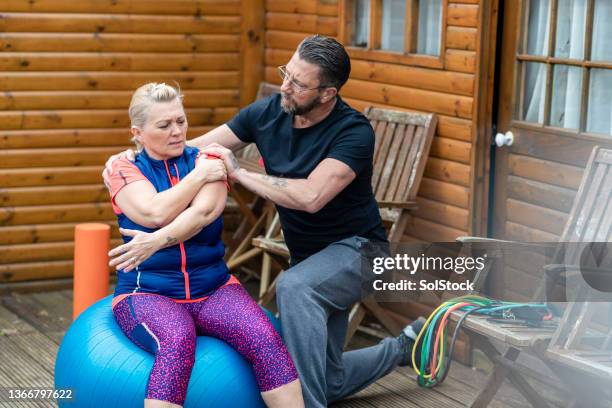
(444, 198)
(541, 186)
(67, 69)
(543, 176)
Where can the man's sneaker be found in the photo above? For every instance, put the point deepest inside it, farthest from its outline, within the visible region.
(406, 340)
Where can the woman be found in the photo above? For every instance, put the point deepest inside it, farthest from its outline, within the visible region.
(172, 281)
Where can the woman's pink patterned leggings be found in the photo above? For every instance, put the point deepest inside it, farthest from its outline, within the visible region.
(168, 329)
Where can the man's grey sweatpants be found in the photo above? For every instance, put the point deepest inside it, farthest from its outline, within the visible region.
(314, 299)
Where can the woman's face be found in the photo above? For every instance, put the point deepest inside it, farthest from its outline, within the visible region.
(165, 130)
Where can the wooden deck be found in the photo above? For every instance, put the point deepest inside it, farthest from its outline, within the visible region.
(32, 326)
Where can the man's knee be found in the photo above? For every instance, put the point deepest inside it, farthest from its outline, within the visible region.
(288, 284)
(292, 291)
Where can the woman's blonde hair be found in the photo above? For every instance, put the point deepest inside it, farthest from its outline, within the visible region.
(144, 97)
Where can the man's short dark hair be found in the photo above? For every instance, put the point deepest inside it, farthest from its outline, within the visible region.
(330, 56)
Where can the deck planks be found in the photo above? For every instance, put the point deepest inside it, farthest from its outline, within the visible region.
(32, 326)
(26, 360)
(49, 317)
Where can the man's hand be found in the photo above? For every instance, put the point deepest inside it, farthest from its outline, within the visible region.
(213, 169)
(108, 167)
(139, 249)
(231, 163)
(127, 154)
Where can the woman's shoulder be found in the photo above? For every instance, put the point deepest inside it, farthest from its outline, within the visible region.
(191, 151)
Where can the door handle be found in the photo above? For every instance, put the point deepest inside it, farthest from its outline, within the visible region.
(504, 139)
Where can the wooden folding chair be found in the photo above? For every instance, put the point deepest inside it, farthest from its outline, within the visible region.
(580, 352)
(589, 220)
(402, 144)
(258, 214)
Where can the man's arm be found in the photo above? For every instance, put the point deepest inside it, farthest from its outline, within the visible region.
(206, 207)
(311, 194)
(324, 183)
(222, 135)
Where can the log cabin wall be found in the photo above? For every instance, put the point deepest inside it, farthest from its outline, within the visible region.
(444, 199)
(67, 71)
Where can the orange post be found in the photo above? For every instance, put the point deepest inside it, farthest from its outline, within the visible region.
(91, 246)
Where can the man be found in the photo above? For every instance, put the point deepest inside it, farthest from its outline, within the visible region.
(318, 155)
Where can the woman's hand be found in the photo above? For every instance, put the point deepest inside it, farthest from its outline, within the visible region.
(212, 168)
(139, 249)
(108, 167)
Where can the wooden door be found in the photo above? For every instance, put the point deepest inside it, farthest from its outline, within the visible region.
(555, 88)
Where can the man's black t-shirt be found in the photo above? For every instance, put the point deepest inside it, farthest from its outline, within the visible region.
(344, 135)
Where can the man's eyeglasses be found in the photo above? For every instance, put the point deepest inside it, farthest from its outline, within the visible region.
(296, 86)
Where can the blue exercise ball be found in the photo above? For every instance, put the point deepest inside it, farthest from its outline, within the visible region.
(101, 367)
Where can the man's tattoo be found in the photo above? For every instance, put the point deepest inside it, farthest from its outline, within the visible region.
(275, 181)
(171, 241)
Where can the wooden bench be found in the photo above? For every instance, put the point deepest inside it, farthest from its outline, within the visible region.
(402, 144)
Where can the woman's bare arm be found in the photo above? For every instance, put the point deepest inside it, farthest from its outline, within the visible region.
(144, 205)
(206, 207)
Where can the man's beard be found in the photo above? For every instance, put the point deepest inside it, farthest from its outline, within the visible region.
(300, 109)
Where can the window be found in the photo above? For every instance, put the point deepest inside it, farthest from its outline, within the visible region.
(565, 65)
(392, 29)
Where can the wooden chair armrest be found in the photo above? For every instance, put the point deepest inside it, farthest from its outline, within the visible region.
(469, 240)
(275, 246)
(543, 248)
(406, 205)
(556, 268)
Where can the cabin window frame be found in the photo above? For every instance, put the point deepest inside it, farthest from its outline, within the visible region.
(550, 63)
(372, 51)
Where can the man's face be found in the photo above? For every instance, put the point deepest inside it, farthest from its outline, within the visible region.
(300, 90)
